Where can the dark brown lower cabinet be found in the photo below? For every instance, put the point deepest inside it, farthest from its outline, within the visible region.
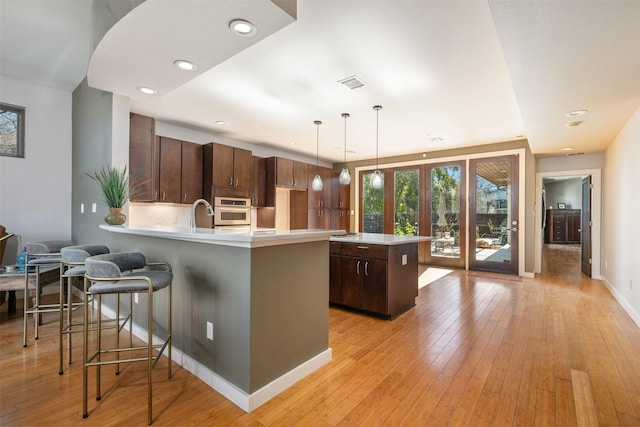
(376, 279)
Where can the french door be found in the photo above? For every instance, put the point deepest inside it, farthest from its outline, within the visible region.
(445, 214)
(493, 214)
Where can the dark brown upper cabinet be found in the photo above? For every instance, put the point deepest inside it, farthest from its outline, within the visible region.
(227, 171)
(143, 158)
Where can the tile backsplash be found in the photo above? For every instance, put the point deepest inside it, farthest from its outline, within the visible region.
(159, 214)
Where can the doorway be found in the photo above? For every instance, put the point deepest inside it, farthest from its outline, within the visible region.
(586, 200)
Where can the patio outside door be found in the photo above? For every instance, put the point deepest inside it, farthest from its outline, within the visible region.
(493, 214)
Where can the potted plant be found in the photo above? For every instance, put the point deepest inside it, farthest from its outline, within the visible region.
(116, 190)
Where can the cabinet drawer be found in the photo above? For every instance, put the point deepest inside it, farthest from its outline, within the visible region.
(364, 250)
(335, 248)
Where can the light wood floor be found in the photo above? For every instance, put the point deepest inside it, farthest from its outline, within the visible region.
(555, 350)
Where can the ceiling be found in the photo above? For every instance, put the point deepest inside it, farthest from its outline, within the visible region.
(448, 74)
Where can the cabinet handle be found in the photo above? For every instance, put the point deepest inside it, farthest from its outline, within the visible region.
(295, 182)
(231, 180)
(363, 247)
(358, 267)
(318, 213)
(163, 195)
(366, 268)
(236, 182)
(184, 198)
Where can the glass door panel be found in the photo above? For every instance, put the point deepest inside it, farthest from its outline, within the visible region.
(445, 206)
(406, 194)
(493, 207)
(372, 220)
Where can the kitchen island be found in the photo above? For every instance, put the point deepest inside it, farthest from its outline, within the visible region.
(376, 274)
(250, 312)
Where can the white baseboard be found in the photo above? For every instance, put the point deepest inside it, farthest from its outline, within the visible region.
(242, 399)
(623, 302)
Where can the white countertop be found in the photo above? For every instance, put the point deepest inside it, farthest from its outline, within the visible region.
(232, 237)
(379, 239)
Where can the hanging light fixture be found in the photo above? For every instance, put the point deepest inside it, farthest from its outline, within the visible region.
(377, 180)
(316, 184)
(345, 177)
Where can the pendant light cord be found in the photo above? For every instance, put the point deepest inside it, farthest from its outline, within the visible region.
(317, 123)
(377, 108)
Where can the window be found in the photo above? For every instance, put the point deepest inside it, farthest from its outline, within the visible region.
(406, 202)
(11, 130)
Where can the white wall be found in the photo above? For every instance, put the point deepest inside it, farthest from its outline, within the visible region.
(621, 231)
(35, 192)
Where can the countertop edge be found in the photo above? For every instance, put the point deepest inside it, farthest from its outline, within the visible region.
(242, 240)
(380, 239)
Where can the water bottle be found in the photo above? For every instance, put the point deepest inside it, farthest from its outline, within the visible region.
(20, 259)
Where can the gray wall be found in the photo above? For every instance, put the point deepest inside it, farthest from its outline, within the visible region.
(568, 191)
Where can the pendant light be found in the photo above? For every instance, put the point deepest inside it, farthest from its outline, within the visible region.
(377, 180)
(345, 177)
(316, 184)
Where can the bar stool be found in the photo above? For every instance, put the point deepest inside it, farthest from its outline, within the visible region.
(121, 273)
(41, 258)
(73, 268)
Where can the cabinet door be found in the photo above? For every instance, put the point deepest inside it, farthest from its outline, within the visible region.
(299, 175)
(143, 158)
(319, 218)
(335, 281)
(170, 170)
(191, 172)
(351, 278)
(374, 286)
(340, 194)
(340, 219)
(284, 172)
(242, 170)
(573, 226)
(222, 166)
(259, 188)
(322, 198)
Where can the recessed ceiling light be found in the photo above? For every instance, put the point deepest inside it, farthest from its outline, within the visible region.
(221, 122)
(242, 27)
(576, 113)
(184, 65)
(146, 90)
(574, 124)
(293, 143)
(567, 149)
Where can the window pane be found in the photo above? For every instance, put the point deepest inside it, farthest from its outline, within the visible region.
(372, 206)
(11, 131)
(445, 211)
(406, 202)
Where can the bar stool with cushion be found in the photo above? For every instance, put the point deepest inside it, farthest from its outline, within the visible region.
(44, 261)
(73, 268)
(120, 273)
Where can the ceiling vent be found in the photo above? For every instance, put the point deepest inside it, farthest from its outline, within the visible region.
(574, 124)
(353, 82)
(576, 154)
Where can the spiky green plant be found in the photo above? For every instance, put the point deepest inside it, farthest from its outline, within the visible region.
(114, 184)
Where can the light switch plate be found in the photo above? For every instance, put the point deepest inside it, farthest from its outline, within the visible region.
(404, 259)
(210, 331)
(94, 207)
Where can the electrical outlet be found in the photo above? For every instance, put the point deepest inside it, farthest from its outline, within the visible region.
(135, 297)
(210, 331)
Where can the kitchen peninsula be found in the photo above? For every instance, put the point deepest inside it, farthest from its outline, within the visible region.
(250, 308)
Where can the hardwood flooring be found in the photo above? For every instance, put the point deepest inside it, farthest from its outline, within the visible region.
(554, 350)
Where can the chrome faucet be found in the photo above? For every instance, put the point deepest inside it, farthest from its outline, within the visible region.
(192, 224)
